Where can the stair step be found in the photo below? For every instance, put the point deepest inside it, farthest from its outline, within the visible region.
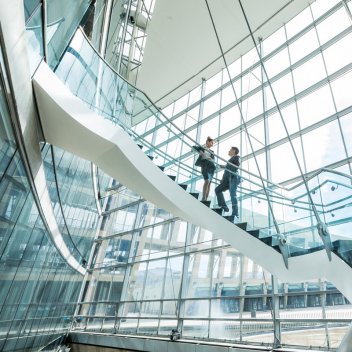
(230, 218)
(267, 240)
(242, 225)
(342, 245)
(140, 146)
(299, 252)
(277, 248)
(254, 233)
(218, 210)
(150, 157)
(194, 194)
(182, 185)
(206, 202)
(343, 248)
(315, 249)
(162, 168)
(173, 178)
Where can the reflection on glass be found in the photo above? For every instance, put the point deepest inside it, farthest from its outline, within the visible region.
(177, 270)
(62, 21)
(38, 290)
(35, 44)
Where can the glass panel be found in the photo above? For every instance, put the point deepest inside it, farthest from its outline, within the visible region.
(309, 73)
(35, 44)
(29, 7)
(195, 328)
(63, 20)
(340, 91)
(274, 41)
(315, 106)
(333, 25)
(339, 54)
(213, 83)
(276, 128)
(303, 46)
(346, 126)
(322, 139)
(211, 105)
(283, 90)
(291, 169)
(277, 63)
(298, 23)
(319, 7)
(262, 332)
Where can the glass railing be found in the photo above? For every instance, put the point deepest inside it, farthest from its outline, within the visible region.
(288, 219)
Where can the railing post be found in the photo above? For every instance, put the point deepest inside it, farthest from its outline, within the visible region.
(275, 312)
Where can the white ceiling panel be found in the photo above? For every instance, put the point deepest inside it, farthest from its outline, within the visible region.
(182, 47)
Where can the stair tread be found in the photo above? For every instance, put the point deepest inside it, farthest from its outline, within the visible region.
(254, 233)
(230, 218)
(277, 248)
(242, 225)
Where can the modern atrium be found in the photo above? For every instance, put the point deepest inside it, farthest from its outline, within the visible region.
(108, 240)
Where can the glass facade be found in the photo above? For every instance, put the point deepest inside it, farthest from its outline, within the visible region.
(175, 275)
(39, 290)
(148, 271)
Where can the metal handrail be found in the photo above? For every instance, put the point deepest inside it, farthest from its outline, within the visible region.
(322, 229)
(194, 142)
(190, 142)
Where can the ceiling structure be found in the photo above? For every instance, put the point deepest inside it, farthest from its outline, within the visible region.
(182, 47)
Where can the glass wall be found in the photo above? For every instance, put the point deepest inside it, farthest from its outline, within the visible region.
(153, 272)
(295, 107)
(49, 40)
(71, 191)
(39, 290)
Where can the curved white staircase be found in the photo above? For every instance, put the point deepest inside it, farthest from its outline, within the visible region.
(72, 126)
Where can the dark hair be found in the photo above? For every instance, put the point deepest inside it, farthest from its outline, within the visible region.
(235, 149)
(209, 139)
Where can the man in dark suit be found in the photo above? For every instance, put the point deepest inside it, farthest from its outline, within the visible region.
(230, 181)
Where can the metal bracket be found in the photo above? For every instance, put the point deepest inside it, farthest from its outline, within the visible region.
(325, 237)
(282, 242)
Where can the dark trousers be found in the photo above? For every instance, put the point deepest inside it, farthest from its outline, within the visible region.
(228, 182)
